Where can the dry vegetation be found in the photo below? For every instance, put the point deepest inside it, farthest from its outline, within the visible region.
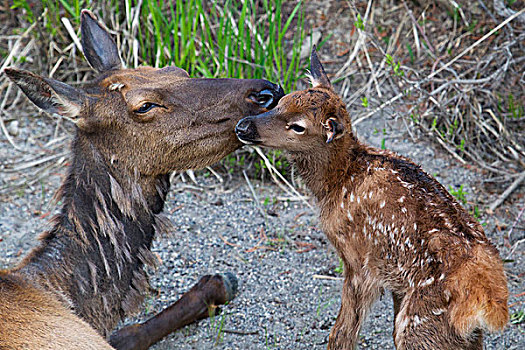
(453, 70)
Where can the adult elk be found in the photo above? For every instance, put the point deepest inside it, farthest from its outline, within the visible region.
(133, 127)
(394, 227)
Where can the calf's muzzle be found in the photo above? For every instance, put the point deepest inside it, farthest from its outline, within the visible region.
(246, 130)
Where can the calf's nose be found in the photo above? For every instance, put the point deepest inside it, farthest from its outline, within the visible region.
(247, 131)
(243, 127)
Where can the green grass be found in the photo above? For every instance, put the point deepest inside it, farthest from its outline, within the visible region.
(212, 39)
(518, 317)
(217, 325)
(340, 268)
(249, 39)
(459, 193)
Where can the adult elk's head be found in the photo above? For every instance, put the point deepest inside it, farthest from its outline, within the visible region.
(148, 120)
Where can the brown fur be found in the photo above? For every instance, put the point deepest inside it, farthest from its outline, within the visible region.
(89, 270)
(394, 227)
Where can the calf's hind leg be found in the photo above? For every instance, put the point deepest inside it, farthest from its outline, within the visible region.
(194, 305)
(421, 323)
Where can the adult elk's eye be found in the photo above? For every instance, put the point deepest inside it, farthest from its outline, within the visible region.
(298, 129)
(146, 107)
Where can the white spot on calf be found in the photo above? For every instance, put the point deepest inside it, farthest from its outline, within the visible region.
(401, 199)
(427, 282)
(382, 205)
(358, 200)
(418, 320)
(404, 210)
(447, 294)
(352, 197)
(438, 312)
(349, 215)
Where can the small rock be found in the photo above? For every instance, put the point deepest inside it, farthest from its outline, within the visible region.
(13, 128)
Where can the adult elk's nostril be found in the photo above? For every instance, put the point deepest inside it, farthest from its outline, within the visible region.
(268, 98)
(263, 98)
(279, 92)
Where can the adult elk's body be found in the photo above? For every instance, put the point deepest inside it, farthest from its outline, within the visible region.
(134, 126)
(393, 226)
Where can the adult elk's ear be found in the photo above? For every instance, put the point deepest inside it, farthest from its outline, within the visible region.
(98, 45)
(50, 95)
(317, 73)
(334, 129)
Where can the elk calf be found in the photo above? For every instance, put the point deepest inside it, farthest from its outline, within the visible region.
(394, 227)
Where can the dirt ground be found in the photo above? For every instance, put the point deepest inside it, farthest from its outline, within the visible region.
(289, 284)
(289, 292)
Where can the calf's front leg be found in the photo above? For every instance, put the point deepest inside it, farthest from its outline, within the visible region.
(198, 303)
(357, 298)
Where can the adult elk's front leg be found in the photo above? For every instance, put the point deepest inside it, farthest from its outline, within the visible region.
(198, 303)
(357, 298)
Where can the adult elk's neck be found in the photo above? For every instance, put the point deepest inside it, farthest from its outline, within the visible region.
(95, 255)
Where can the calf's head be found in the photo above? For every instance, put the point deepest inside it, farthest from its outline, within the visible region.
(148, 120)
(312, 119)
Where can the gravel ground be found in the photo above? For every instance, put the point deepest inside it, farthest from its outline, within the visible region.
(289, 292)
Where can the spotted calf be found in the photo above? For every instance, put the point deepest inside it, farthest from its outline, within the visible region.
(394, 227)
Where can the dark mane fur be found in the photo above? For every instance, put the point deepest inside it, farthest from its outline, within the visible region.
(104, 281)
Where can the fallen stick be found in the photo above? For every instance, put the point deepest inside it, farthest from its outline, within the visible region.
(507, 192)
(323, 277)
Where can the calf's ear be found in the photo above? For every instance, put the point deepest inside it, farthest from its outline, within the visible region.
(317, 73)
(334, 129)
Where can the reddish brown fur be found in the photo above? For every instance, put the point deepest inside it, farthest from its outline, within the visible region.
(394, 227)
(89, 271)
